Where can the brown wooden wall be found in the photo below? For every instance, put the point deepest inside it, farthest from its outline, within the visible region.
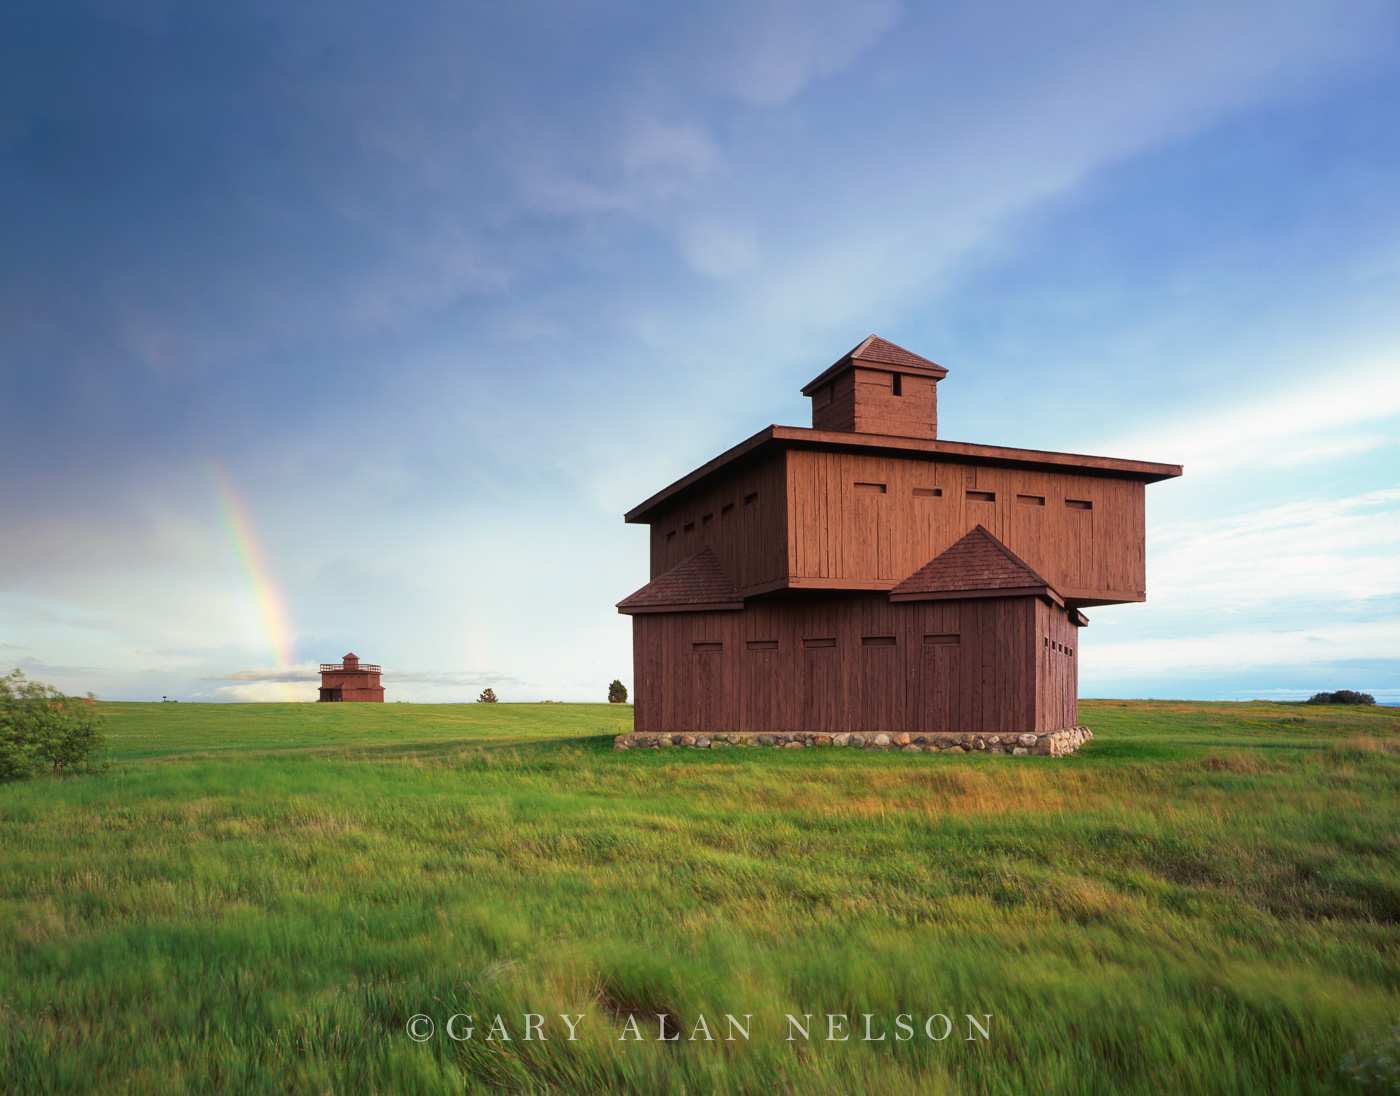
(748, 537)
(853, 662)
(363, 687)
(837, 520)
(860, 521)
(863, 401)
(1057, 670)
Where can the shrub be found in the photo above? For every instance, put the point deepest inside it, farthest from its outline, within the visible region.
(41, 728)
(488, 696)
(617, 692)
(1341, 696)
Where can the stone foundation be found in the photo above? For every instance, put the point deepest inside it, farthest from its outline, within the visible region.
(1047, 744)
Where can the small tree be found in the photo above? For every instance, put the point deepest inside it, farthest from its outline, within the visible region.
(488, 696)
(617, 692)
(42, 728)
(1341, 696)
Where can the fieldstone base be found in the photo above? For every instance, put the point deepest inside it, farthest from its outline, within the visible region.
(1047, 744)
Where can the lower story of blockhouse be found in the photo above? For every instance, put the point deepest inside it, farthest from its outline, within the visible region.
(859, 662)
(358, 688)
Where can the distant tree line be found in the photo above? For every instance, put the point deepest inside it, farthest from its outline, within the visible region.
(42, 730)
(1341, 696)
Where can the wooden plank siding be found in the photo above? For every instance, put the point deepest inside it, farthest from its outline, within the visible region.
(1057, 667)
(856, 522)
(748, 538)
(773, 438)
(863, 401)
(856, 662)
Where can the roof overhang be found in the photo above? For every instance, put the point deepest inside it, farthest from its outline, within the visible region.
(1047, 592)
(879, 355)
(718, 606)
(937, 372)
(774, 439)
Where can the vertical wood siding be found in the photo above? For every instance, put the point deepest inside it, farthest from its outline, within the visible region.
(750, 540)
(1057, 670)
(984, 666)
(842, 534)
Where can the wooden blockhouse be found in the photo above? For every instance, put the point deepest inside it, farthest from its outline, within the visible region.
(863, 575)
(351, 680)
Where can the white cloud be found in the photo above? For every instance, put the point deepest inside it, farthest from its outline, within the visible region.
(768, 51)
(263, 692)
(1227, 651)
(1337, 550)
(306, 672)
(1331, 416)
(656, 147)
(1307, 583)
(717, 250)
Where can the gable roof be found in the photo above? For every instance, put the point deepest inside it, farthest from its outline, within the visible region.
(696, 583)
(877, 352)
(978, 565)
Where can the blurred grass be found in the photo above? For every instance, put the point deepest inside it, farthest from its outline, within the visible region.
(255, 898)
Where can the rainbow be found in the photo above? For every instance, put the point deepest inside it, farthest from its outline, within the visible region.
(272, 608)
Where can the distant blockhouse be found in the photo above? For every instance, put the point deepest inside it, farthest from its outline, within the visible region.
(351, 680)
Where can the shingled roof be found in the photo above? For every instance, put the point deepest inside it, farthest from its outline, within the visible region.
(978, 565)
(878, 352)
(696, 583)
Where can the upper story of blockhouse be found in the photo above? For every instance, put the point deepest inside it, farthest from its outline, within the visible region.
(349, 673)
(847, 506)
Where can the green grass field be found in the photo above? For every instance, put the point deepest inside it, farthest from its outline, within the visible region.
(256, 898)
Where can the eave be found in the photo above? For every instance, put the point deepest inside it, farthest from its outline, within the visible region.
(1046, 592)
(779, 438)
(684, 607)
(937, 372)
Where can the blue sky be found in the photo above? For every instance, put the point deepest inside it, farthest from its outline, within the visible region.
(436, 292)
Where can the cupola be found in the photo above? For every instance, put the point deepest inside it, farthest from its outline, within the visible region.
(878, 388)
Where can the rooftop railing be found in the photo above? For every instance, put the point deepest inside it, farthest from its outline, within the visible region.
(340, 667)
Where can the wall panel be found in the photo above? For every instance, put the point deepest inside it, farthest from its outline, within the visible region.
(792, 662)
(1086, 537)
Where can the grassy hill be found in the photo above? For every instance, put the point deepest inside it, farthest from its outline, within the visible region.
(256, 898)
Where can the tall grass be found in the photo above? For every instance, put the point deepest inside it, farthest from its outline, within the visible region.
(256, 898)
